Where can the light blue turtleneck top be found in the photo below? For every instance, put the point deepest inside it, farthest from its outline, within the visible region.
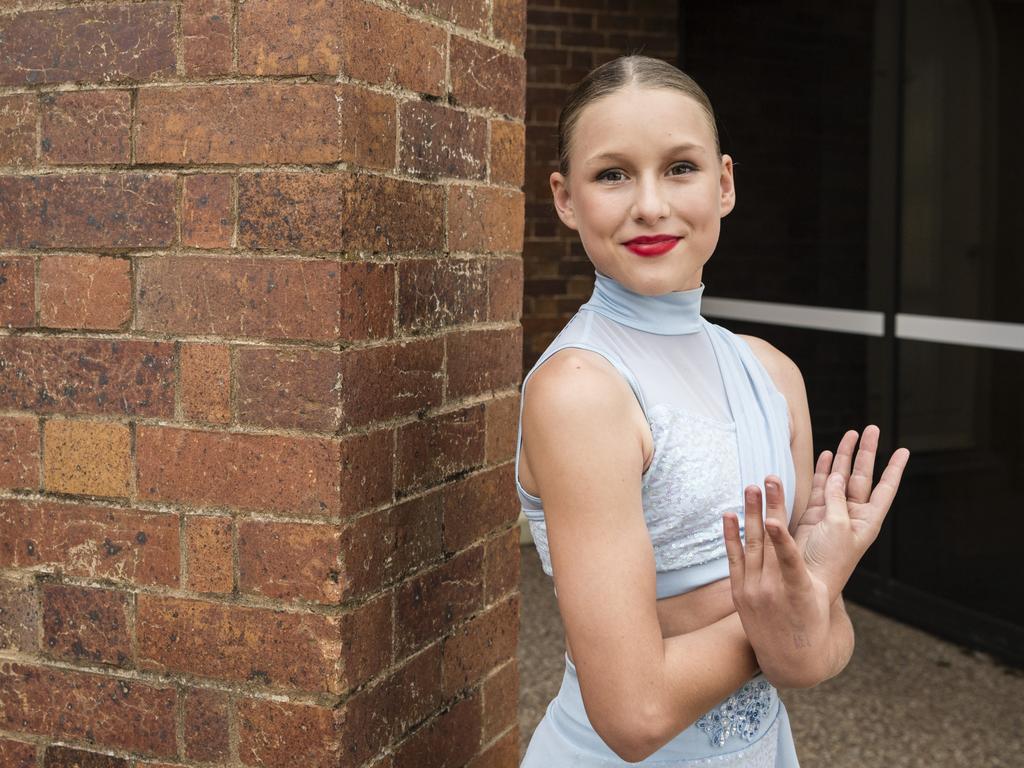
(717, 421)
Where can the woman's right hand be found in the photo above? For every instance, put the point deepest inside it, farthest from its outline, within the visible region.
(844, 515)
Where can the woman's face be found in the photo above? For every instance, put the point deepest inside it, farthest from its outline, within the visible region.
(642, 163)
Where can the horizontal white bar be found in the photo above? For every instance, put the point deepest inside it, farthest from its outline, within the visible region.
(950, 330)
(859, 321)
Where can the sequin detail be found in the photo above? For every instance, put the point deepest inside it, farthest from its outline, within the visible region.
(740, 714)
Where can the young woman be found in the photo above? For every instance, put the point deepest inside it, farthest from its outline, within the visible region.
(644, 431)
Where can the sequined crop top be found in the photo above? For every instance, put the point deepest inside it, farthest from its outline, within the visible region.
(718, 423)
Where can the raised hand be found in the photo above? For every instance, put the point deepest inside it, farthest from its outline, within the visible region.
(844, 515)
(783, 606)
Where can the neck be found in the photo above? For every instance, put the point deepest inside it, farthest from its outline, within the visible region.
(669, 313)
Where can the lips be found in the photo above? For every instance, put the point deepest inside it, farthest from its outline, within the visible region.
(652, 246)
(650, 239)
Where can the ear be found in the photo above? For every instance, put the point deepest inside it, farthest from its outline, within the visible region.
(728, 184)
(563, 203)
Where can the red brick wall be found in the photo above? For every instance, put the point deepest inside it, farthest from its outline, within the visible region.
(260, 280)
(565, 39)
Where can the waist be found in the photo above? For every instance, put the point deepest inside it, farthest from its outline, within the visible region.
(733, 725)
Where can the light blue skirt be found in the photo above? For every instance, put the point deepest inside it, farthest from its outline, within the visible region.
(748, 729)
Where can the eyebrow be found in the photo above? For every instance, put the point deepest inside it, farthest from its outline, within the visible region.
(671, 151)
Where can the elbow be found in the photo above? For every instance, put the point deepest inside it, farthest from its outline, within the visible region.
(634, 735)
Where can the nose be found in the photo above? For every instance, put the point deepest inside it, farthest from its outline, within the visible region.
(649, 203)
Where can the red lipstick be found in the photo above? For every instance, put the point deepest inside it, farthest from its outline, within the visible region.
(652, 245)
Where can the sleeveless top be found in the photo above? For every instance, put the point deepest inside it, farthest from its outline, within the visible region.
(717, 420)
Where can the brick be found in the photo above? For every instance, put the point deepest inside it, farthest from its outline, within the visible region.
(503, 753)
(367, 470)
(439, 141)
(386, 47)
(483, 76)
(17, 754)
(480, 645)
(431, 604)
(86, 127)
(408, 376)
(261, 123)
(87, 457)
(261, 298)
(289, 387)
(478, 504)
(206, 382)
(19, 461)
(434, 293)
(238, 643)
(367, 127)
(482, 361)
(114, 377)
(290, 561)
(501, 565)
(278, 734)
(367, 300)
(18, 114)
(507, 152)
(206, 217)
(19, 616)
(485, 219)
(92, 292)
(17, 292)
(338, 212)
(505, 290)
(385, 546)
(375, 716)
(278, 37)
(502, 428)
(62, 704)
(206, 724)
(414, 219)
(206, 37)
(208, 543)
(509, 21)
(440, 447)
(291, 475)
(87, 210)
(447, 741)
(86, 624)
(91, 542)
(69, 757)
(471, 14)
(366, 633)
(102, 44)
(501, 700)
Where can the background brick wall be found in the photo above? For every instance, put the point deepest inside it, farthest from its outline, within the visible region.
(260, 283)
(565, 39)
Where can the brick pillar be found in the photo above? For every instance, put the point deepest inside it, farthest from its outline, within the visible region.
(565, 39)
(260, 285)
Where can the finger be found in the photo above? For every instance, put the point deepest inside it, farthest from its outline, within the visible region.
(775, 499)
(821, 471)
(844, 454)
(733, 550)
(889, 483)
(753, 532)
(791, 562)
(836, 508)
(859, 486)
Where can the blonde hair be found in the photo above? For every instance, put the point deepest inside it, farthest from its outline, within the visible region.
(634, 69)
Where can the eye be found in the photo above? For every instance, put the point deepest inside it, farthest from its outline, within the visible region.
(604, 174)
(687, 166)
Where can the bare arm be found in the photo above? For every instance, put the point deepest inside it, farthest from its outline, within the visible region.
(639, 689)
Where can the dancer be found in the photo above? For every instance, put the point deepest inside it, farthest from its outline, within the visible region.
(645, 434)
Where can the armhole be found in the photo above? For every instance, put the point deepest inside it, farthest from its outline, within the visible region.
(613, 359)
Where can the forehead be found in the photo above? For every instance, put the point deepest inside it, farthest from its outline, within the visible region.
(636, 121)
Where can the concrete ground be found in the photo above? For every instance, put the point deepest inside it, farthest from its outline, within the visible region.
(906, 699)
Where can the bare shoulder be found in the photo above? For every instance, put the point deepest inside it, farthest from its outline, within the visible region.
(576, 378)
(783, 371)
(780, 366)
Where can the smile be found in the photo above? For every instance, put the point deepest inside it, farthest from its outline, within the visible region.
(652, 249)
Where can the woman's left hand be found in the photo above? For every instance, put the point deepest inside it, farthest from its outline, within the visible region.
(784, 607)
